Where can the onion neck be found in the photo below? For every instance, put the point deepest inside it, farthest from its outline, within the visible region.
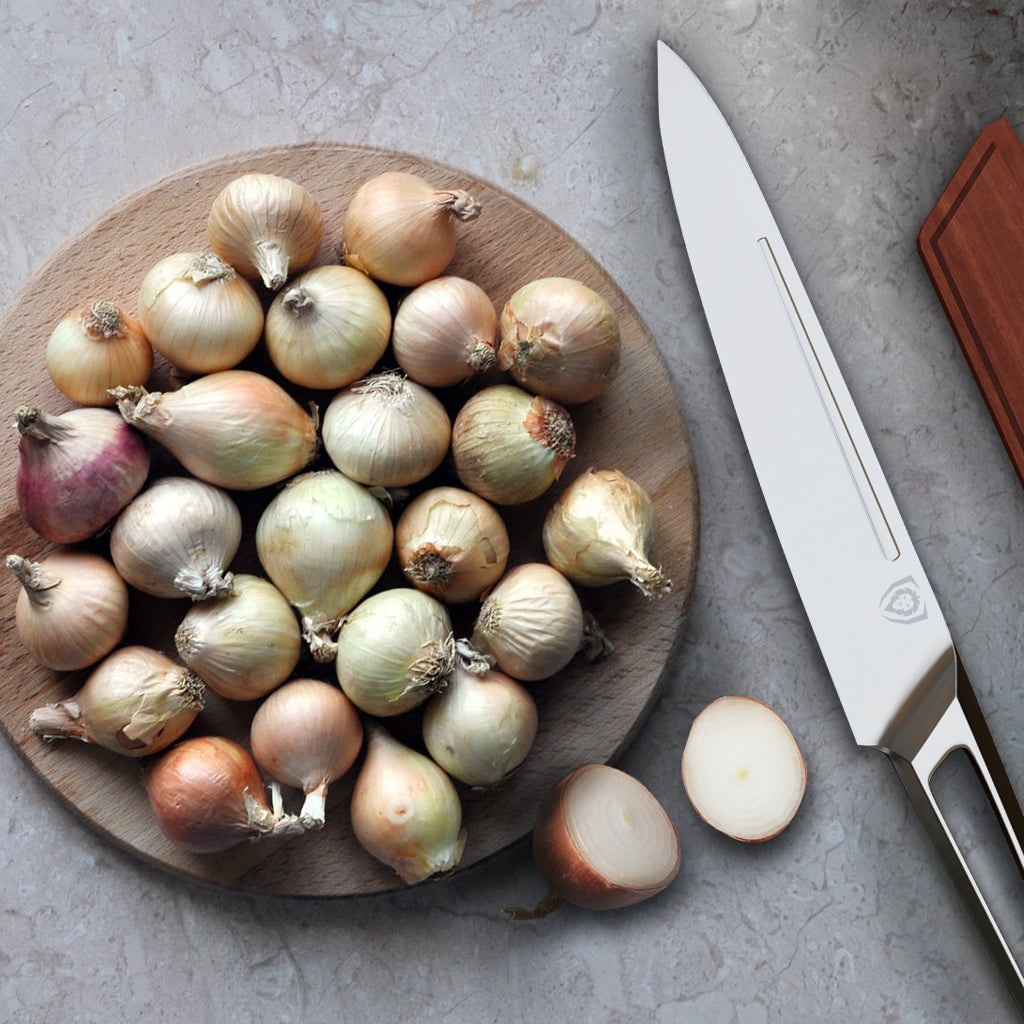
(35, 425)
(272, 263)
(33, 577)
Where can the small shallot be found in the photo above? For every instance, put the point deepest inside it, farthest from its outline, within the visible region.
(531, 623)
(77, 470)
(559, 338)
(72, 609)
(602, 840)
(242, 644)
(405, 810)
(324, 541)
(386, 431)
(509, 446)
(451, 544)
(207, 795)
(600, 530)
(265, 226)
(445, 332)
(481, 727)
(97, 348)
(395, 649)
(328, 327)
(135, 702)
(236, 429)
(177, 539)
(199, 313)
(306, 734)
(742, 769)
(401, 230)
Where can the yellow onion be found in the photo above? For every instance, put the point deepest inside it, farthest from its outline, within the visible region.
(600, 530)
(405, 810)
(97, 348)
(235, 429)
(135, 702)
(198, 313)
(445, 332)
(72, 608)
(265, 226)
(509, 446)
(328, 327)
(559, 338)
(451, 544)
(324, 541)
(401, 230)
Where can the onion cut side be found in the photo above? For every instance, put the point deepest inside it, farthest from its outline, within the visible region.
(742, 769)
(602, 840)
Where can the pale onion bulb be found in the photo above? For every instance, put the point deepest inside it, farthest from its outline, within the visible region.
(199, 313)
(401, 230)
(95, 349)
(307, 734)
(509, 446)
(451, 544)
(395, 649)
(266, 227)
(72, 609)
(531, 623)
(176, 538)
(235, 429)
(742, 769)
(328, 327)
(135, 702)
(445, 332)
(600, 530)
(481, 727)
(324, 541)
(242, 644)
(386, 431)
(559, 338)
(207, 795)
(405, 810)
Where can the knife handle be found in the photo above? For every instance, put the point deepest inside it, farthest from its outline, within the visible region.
(963, 726)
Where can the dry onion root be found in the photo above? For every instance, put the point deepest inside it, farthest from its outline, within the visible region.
(742, 769)
(602, 840)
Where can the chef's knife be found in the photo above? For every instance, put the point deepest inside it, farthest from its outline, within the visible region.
(870, 605)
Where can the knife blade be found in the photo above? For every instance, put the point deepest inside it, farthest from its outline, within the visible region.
(870, 604)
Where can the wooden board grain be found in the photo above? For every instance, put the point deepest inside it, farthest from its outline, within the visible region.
(588, 713)
(972, 245)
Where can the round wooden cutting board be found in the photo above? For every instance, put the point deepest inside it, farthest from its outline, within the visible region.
(588, 713)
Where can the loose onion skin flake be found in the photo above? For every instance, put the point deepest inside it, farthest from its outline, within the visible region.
(602, 841)
(742, 769)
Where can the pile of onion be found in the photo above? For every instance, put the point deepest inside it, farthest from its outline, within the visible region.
(420, 466)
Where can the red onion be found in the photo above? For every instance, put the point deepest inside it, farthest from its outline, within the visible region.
(78, 470)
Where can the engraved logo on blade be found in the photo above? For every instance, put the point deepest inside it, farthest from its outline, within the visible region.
(904, 602)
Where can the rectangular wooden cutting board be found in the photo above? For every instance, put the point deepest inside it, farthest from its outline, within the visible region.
(972, 245)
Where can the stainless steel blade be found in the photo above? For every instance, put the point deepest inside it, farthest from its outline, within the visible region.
(872, 609)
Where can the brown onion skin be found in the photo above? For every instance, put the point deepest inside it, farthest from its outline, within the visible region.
(564, 868)
(65, 502)
(195, 791)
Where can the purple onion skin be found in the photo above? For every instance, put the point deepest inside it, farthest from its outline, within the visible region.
(71, 487)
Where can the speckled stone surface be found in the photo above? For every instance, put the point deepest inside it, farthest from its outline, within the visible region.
(854, 115)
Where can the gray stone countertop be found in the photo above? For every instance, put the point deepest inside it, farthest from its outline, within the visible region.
(854, 115)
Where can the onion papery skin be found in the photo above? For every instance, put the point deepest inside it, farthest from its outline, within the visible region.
(328, 327)
(395, 649)
(77, 471)
(307, 734)
(235, 429)
(324, 541)
(72, 609)
(207, 795)
(451, 544)
(405, 810)
(244, 644)
(564, 855)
